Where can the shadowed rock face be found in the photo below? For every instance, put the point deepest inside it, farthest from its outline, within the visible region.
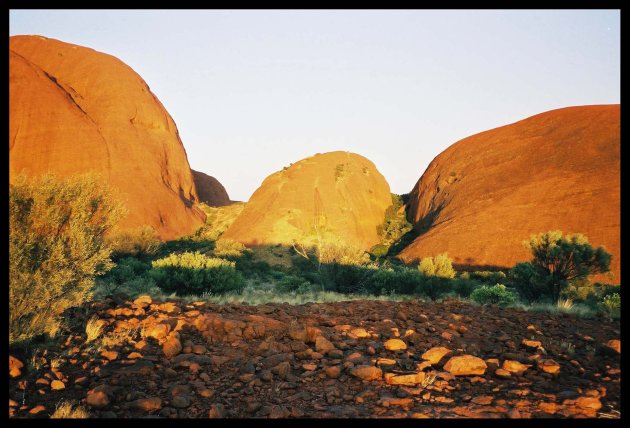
(210, 190)
(484, 195)
(74, 110)
(340, 194)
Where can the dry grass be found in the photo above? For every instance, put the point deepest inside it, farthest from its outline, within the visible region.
(565, 305)
(120, 337)
(55, 363)
(429, 378)
(259, 296)
(93, 329)
(65, 410)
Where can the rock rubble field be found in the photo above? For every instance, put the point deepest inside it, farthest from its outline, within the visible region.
(359, 359)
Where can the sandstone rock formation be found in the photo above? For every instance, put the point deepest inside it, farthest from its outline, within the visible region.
(480, 198)
(210, 190)
(74, 110)
(339, 195)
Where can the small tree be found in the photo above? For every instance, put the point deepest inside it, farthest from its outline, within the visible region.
(558, 259)
(56, 248)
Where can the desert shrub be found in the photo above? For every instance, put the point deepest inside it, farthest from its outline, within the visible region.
(344, 278)
(434, 287)
(440, 266)
(195, 273)
(131, 288)
(184, 244)
(395, 224)
(611, 305)
(496, 295)
(530, 285)
(127, 269)
(580, 290)
(249, 266)
(294, 284)
(393, 280)
(342, 267)
(463, 287)
(558, 260)
(340, 253)
(140, 242)
(488, 276)
(56, 248)
(379, 250)
(229, 248)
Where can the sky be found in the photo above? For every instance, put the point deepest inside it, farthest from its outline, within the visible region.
(252, 91)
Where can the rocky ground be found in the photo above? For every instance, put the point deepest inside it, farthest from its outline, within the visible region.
(361, 359)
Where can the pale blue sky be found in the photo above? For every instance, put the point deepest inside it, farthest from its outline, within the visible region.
(252, 91)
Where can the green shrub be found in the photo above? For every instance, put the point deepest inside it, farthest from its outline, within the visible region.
(127, 269)
(195, 273)
(247, 265)
(528, 283)
(496, 295)
(184, 244)
(578, 290)
(611, 305)
(140, 242)
(393, 280)
(434, 287)
(488, 276)
(344, 278)
(464, 287)
(294, 284)
(440, 266)
(229, 248)
(56, 248)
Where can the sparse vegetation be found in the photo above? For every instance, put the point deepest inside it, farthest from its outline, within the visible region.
(218, 219)
(340, 171)
(56, 248)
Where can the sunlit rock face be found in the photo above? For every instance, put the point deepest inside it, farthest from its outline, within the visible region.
(74, 110)
(338, 197)
(485, 194)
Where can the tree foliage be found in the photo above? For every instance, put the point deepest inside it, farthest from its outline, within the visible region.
(56, 248)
